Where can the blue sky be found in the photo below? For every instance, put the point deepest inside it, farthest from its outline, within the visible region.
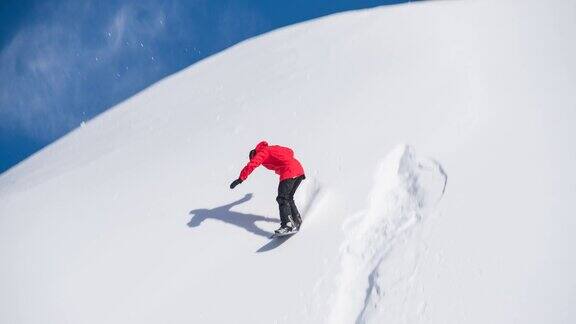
(66, 61)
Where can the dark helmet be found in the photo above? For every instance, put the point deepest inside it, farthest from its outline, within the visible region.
(252, 153)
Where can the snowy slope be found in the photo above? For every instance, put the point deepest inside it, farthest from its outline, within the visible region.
(438, 141)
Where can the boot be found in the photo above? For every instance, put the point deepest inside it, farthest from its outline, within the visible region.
(297, 221)
(285, 228)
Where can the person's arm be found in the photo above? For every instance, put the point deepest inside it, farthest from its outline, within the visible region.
(255, 162)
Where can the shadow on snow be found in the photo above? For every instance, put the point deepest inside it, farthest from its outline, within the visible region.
(224, 214)
(274, 243)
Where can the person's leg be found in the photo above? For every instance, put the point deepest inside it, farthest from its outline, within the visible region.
(284, 189)
(293, 209)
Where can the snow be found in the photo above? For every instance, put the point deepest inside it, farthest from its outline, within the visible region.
(404, 190)
(129, 218)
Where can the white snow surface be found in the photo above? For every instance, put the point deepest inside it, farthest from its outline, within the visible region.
(438, 143)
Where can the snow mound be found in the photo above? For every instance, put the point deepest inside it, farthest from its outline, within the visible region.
(406, 190)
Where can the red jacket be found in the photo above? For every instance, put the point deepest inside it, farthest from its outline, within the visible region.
(277, 158)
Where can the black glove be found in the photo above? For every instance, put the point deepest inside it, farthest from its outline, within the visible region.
(235, 183)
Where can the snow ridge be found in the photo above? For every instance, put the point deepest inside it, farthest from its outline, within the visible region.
(312, 196)
(405, 191)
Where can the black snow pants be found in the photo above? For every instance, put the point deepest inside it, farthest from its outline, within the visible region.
(285, 199)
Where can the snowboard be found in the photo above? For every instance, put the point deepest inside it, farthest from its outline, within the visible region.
(275, 235)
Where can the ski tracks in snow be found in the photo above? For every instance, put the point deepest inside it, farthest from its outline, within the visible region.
(406, 190)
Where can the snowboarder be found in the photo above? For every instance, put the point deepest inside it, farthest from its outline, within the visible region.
(281, 160)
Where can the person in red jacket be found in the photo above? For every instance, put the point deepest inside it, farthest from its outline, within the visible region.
(280, 160)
